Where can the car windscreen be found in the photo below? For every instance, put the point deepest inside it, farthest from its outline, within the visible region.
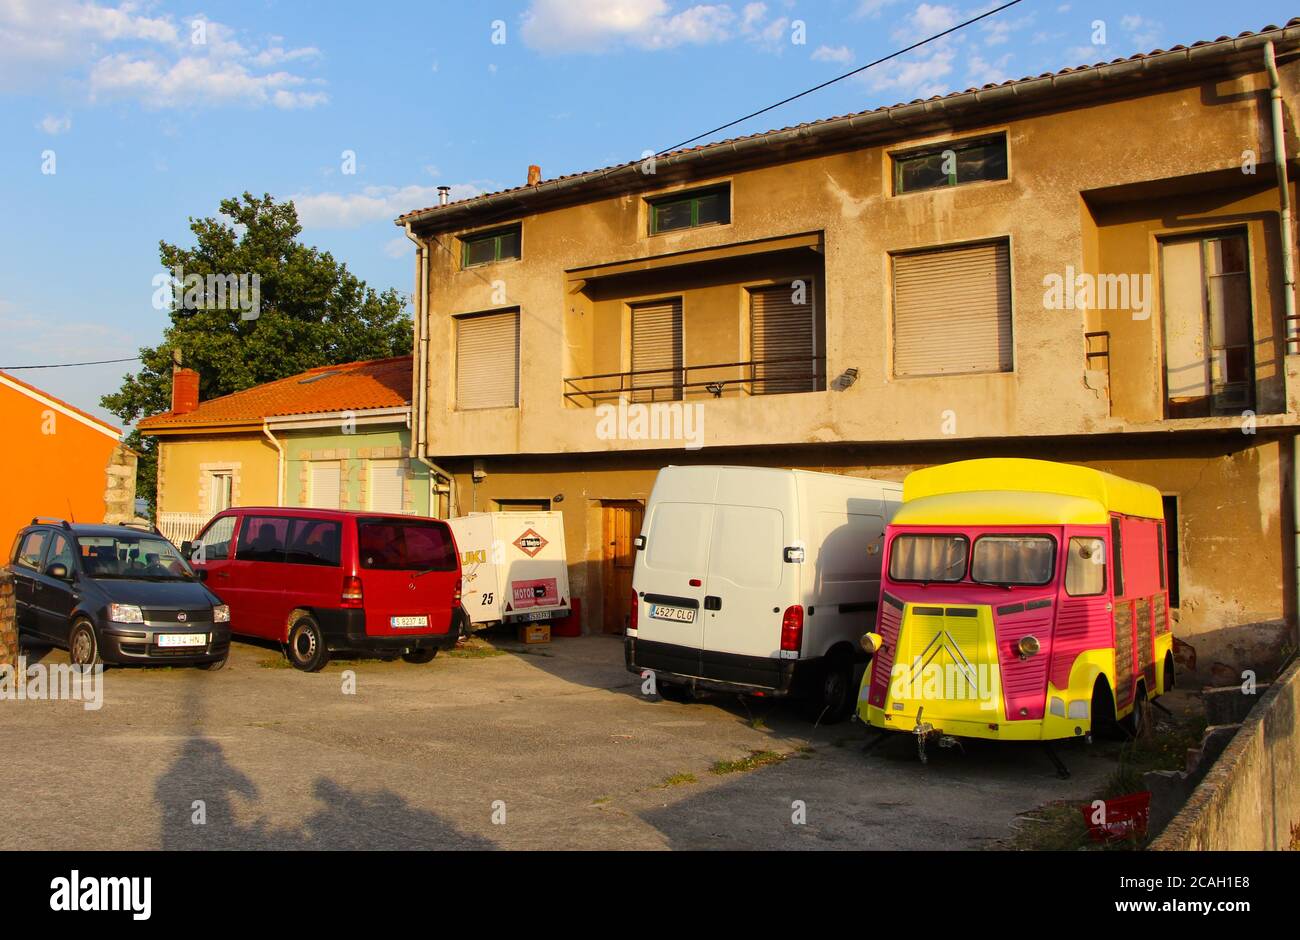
(1013, 559)
(399, 545)
(142, 557)
(928, 557)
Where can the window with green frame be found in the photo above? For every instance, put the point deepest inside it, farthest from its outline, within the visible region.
(486, 247)
(710, 206)
(967, 161)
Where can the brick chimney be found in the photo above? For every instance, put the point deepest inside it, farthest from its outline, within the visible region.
(185, 391)
(534, 174)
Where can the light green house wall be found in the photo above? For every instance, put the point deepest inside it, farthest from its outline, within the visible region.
(353, 452)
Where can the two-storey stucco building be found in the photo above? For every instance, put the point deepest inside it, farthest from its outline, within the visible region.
(1089, 266)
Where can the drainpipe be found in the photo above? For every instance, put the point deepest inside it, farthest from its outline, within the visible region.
(1284, 197)
(279, 464)
(419, 408)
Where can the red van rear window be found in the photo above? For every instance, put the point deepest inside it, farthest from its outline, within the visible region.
(394, 545)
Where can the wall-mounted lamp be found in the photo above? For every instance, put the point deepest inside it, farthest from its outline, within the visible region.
(845, 379)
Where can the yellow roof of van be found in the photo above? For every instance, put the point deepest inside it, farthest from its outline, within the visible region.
(1019, 491)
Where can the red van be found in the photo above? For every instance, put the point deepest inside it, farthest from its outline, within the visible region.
(319, 581)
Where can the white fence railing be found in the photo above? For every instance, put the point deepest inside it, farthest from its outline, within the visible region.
(181, 526)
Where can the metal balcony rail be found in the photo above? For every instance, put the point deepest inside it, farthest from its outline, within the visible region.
(782, 375)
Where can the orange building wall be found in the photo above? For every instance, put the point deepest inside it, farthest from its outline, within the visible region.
(51, 464)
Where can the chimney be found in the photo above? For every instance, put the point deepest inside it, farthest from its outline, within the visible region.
(185, 391)
(444, 194)
(534, 174)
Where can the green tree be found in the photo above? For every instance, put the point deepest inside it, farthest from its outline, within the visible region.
(312, 311)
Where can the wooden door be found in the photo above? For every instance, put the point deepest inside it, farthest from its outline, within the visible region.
(622, 524)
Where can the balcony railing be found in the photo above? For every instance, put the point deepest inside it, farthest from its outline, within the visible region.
(778, 376)
(181, 526)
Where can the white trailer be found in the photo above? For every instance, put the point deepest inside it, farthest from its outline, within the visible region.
(758, 580)
(513, 566)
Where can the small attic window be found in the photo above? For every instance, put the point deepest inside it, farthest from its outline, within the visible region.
(317, 377)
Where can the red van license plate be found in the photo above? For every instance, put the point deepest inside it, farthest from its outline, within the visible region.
(409, 621)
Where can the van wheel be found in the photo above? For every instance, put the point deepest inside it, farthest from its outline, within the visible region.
(421, 656)
(1137, 723)
(83, 646)
(672, 692)
(306, 647)
(1102, 711)
(835, 698)
(1170, 675)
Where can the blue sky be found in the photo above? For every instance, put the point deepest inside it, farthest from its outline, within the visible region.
(148, 127)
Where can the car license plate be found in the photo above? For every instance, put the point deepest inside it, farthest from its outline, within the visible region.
(538, 615)
(182, 639)
(675, 614)
(409, 621)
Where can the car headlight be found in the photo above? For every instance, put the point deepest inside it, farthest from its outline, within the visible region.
(125, 613)
(220, 613)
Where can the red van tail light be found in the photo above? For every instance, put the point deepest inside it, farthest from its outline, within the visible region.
(455, 597)
(352, 596)
(635, 613)
(792, 629)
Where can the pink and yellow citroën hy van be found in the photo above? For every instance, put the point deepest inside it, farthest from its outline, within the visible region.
(1020, 600)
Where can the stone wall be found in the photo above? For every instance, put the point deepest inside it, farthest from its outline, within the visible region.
(8, 623)
(119, 492)
(1250, 799)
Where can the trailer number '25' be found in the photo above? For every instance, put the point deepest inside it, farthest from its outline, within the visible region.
(677, 614)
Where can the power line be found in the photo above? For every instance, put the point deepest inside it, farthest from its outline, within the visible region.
(892, 55)
(69, 365)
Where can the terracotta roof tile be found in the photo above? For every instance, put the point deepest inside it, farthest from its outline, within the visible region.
(352, 386)
(734, 140)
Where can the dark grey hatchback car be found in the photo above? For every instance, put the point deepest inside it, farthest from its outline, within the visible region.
(115, 594)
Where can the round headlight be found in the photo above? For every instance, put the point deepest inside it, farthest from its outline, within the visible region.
(1028, 646)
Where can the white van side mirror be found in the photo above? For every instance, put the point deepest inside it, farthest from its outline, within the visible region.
(794, 554)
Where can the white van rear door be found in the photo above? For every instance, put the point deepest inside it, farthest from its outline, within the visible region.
(745, 592)
(670, 572)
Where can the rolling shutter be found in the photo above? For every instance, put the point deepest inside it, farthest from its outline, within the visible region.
(952, 311)
(386, 479)
(487, 361)
(782, 329)
(325, 485)
(657, 349)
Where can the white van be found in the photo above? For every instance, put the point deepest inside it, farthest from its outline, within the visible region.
(758, 581)
(513, 566)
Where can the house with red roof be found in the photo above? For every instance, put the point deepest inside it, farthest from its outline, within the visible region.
(335, 437)
(62, 462)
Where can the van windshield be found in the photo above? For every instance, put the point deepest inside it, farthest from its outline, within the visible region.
(141, 558)
(928, 557)
(1013, 559)
(398, 545)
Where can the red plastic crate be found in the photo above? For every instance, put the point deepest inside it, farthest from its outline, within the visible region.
(572, 624)
(1124, 817)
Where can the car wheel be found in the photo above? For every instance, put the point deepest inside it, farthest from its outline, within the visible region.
(216, 664)
(420, 656)
(306, 647)
(1137, 723)
(1102, 712)
(835, 691)
(83, 645)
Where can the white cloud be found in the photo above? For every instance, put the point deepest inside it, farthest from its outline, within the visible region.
(371, 204)
(601, 25)
(398, 247)
(919, 75)
(980, 72)
(839, 54)
(120, 50)
(1141, 30)
(54, 125)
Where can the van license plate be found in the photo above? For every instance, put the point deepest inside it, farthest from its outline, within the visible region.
(182, 639)
(538, 615)
(675, 614)
(409, 621)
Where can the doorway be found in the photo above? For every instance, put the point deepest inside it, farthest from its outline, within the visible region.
(621, 525)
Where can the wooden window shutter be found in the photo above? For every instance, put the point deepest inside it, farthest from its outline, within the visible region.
(326, 484)
(781, 329)
(657, 350)
(952, 310)
(386, 485)
(487, 361)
